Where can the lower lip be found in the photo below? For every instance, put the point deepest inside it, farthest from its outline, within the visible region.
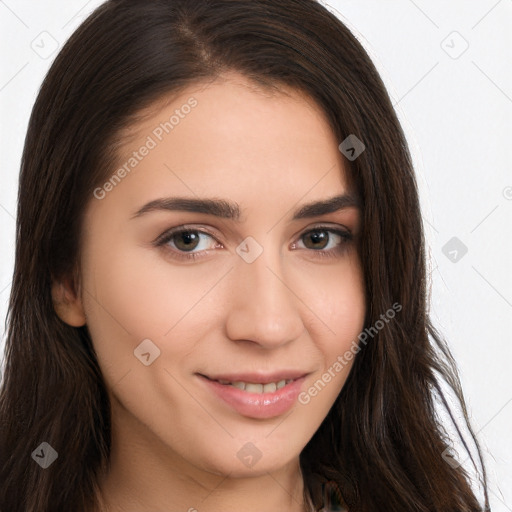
(257, 405)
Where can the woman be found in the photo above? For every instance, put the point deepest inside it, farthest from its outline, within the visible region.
(219, 296)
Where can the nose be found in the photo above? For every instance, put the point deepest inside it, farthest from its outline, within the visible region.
(264, 309)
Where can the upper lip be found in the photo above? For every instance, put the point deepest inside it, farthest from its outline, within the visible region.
(259, 377)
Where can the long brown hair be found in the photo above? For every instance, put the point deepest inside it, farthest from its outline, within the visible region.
(382, 443)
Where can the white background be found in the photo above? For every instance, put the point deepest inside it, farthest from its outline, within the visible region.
(455, 105)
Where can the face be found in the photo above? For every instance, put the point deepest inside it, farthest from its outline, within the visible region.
(204, 264)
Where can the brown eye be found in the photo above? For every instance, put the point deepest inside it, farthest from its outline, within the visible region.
(316, 239)
(324, 241)
(186, 240)
(191, 241)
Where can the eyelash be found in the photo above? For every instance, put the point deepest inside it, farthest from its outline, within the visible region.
(165, 238)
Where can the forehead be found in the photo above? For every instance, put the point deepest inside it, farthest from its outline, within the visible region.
(230, 86)
(229, 136)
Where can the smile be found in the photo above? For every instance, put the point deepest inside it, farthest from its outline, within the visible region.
(259, 400)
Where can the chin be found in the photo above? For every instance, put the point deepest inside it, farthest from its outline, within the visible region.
(247, 461)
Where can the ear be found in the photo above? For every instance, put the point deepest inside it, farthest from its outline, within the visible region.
(67, 302)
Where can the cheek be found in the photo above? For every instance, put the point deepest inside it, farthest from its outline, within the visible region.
(336, 295)
(135, 294)
(341, 307)
(337, 342)
(138, 288)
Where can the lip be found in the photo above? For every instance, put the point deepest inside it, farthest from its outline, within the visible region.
(257, 405)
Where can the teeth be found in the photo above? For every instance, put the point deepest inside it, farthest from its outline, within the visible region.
(269, 388)
(282, 383)
(254, 388)
(258, 388)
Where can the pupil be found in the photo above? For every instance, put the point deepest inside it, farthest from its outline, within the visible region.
(187, 240)
(318, 237)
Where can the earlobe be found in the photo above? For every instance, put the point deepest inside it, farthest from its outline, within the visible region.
(67, 303)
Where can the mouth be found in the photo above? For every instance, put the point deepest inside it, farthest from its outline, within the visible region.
(256, 395)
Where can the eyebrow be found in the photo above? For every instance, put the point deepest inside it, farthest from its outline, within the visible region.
(229, 210)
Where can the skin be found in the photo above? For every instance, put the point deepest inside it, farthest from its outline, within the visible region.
(175, 443)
